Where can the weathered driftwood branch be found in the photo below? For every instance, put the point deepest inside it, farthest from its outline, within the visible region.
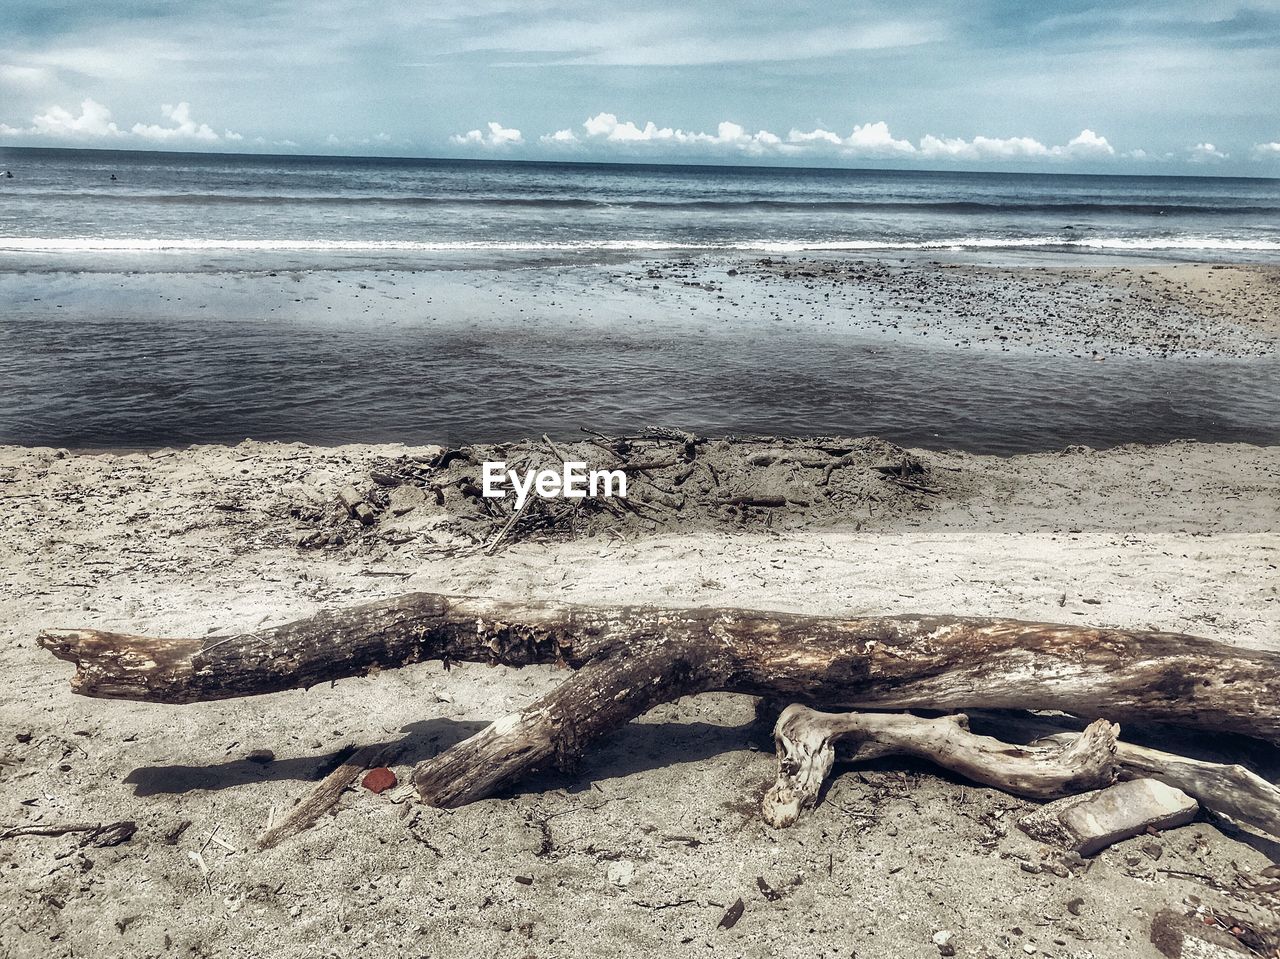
(1058, 765)
(97, 834)
(631, 658)
(324, 795)
(1229, 789)
(1226, 788)
(807, 740)
(600, 697)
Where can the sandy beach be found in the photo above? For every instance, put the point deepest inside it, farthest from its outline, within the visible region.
(603, 480)
(658, 832)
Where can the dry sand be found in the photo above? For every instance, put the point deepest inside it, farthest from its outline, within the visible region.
(646, 846)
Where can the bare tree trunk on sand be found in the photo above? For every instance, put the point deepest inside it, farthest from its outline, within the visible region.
(631, 658)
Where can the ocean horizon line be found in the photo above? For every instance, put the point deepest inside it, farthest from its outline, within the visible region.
(673, 165)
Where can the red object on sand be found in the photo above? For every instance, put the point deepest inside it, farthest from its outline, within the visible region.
(379, 780)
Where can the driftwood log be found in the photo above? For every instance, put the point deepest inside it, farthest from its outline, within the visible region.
(1225, 788)
(1062, 764)
(807, 741)
(631, 658)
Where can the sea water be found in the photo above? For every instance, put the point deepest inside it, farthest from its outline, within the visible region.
(84, 364)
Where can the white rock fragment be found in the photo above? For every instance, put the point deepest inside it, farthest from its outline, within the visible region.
(350, 497)
(1092, 821)
(622, 872)
(944, 939)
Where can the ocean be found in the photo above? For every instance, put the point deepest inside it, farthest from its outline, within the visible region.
(152, 299)
(167, 211)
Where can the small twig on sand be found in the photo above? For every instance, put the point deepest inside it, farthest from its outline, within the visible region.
(502, 533)
(645, 465)
(100, 834)
(932, 490)
(749, 500)
(323, 797)
(510, 523)
(560, 456)
(843, 461)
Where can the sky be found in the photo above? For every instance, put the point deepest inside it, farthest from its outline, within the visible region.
(1123, 86)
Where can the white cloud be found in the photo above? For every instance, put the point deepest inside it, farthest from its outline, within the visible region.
(93, 122)
(814, 136)
(876, 138)
(264, 142)
(183, 128)
(640, 37)
(1084, 145)
(867, 139)
(1206, 153)
(29, 78)
(333, 141)
(607, 128)
(1267, 149)
(957, 148)
(560, 138)
(131, 58)
(1088, 143)
(497, 137)
(983, 148)
(606, 125)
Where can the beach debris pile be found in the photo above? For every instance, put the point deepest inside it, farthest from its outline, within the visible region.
(675, 481)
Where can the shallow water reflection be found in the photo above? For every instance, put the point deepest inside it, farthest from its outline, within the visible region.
(122, 383)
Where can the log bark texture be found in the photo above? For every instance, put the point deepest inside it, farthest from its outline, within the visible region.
(631, 658)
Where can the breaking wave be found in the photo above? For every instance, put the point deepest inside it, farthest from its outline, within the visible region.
(1186, 243)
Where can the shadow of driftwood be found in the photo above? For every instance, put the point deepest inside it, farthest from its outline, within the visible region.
(420, 741)
(638, 747)
(633, 748)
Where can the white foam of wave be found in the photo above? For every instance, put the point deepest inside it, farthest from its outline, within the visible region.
(999, 243)
(144, 245)
(93, 245)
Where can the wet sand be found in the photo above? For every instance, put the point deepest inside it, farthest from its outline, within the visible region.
(1095, 311)
(1101, 309)
(992, 359)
